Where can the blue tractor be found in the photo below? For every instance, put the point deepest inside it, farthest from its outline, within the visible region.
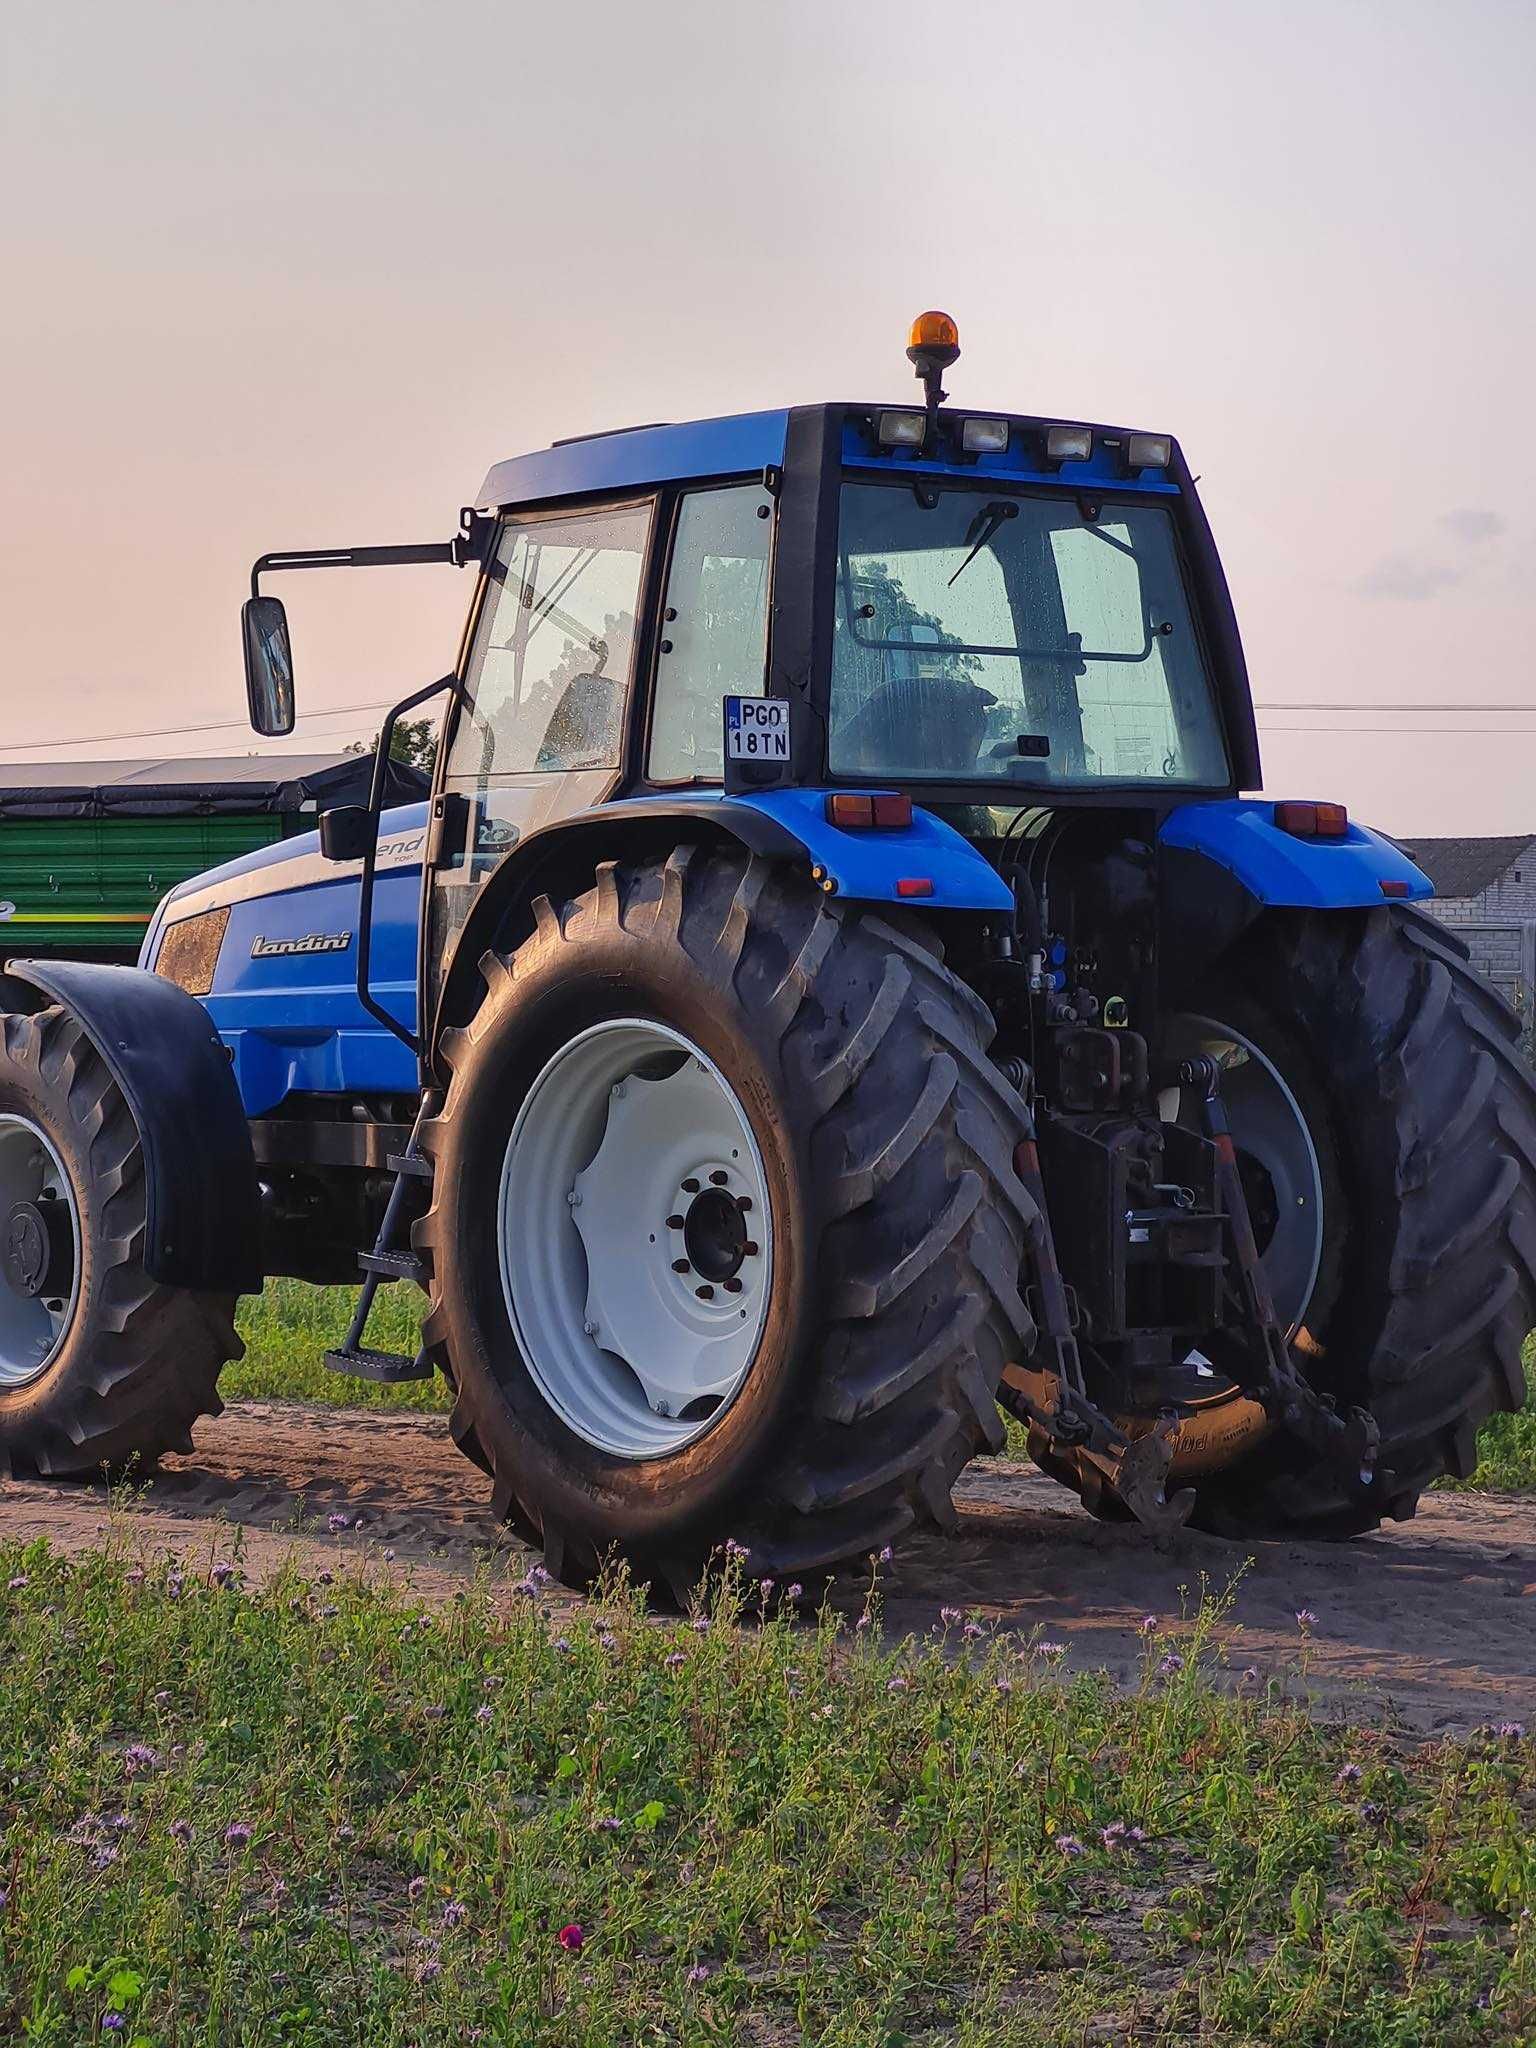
(835, 992)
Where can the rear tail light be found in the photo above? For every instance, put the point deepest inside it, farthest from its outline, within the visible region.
(1394, 888)
(853, 811)
(1312, 821)
(914, 885)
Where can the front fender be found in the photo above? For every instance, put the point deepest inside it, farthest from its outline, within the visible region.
(202, 1219)
(1239, 834)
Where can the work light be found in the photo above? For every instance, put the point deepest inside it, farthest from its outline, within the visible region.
(1068, 444)
(984, 437)
(1149, 451)
(903, 429)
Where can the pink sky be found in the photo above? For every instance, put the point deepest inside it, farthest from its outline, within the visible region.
(290, 274)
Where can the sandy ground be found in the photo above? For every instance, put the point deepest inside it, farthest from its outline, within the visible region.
(1432, 1621)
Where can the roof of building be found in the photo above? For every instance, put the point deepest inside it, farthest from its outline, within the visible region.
(202, 785)
(1465, 867)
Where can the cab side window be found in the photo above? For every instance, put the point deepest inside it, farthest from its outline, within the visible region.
(715, 629)
(554, 649)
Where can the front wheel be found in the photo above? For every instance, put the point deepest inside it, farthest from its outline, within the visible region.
(725, 1233)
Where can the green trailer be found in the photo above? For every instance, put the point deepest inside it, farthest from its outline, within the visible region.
(87, 849)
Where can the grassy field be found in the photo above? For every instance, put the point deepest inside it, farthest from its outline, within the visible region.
(315, 1814)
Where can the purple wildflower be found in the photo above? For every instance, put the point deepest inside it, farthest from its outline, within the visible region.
(1051, 1651)
(972, 1630)
(180, 1831)
(675, 1661)
(700, 1624)
(138, 1756)
(104, 1858)
(173, 1585)
(237, 1834)
(1349, 1774)
(608, 1824)
(18, 1583)
(1113, 1835)
(5, 1898)
(454, 1913)
(336, 1523)
(484, 1715)
(951, 1616)
(389, 1557)
(698, 1973)
(863, 1620)
(1147, 1626)
(1305, 1618)
(162, 1699)
(572, 1937)
(608, 1639)
(765, 1587)
(113, 2022)
(793, 1591)
(434, 1712)
(886, 1553)
(897, 1684)
(1512, 1731)
(223, 1572)
(1005, 1685)
(329, 1611)
(563, 1645)
(416, 1888)
(1069, 1845)
(1168, 1665)
(526, 1588)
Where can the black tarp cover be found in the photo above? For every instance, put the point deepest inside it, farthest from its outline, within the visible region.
(208, 787)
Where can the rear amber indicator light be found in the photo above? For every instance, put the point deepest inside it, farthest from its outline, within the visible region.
(893, 813)
(1312, 821)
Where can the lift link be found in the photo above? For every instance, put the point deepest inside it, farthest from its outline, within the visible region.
(1135, 1467)
(1350, 1441)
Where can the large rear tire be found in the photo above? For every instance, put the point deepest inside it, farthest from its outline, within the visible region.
(1422, 1116)
(876, 1152)
(101, 1367)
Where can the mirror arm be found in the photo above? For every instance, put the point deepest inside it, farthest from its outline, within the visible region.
(376, 789)
(468, 545)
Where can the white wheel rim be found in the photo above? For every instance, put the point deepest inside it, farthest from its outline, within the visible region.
(636, 1238)
(37, 1298)
(1267, 1122)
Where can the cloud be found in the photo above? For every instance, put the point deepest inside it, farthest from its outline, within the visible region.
(1474, 525)
(1410, 579)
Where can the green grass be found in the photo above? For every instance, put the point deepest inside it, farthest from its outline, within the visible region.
(315, 1814)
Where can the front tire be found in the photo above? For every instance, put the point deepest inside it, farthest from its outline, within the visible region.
(882, 1143)
(101, 1367)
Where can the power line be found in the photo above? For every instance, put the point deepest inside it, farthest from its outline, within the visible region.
(155, 732)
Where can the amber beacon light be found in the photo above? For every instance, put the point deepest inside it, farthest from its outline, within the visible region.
(932, 345)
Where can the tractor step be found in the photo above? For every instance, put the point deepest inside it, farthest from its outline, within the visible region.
(362, 1362)
(393, 1265)
(409, 1162)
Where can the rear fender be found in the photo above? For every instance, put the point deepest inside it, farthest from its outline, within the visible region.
(788, 825)
(1359, 871)
(160, 1047)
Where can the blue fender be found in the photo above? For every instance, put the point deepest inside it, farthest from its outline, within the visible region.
(867, 866)
(1350, 873)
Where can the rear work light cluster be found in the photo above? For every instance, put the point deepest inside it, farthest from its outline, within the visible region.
(1053, 445)
(856, 811)
(1312, 821)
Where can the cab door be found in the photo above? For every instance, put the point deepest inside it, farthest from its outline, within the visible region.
(537, 732)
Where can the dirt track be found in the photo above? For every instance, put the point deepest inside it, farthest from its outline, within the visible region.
(1436, 1617)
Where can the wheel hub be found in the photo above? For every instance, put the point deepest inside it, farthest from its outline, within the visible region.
(38, 1251)
(637, 1245)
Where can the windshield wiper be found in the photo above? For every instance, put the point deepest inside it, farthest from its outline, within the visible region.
(991, 519)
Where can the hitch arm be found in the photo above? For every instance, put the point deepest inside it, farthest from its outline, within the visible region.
(1351, 1440)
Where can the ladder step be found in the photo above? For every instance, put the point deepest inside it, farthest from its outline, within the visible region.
(407, 1162)
(364, 1363)
(393, 1265)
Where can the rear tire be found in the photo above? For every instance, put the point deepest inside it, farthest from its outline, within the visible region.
(886, 1143)
(129, 1364)
(1424, 1118)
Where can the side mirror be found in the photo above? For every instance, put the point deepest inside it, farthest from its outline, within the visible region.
(348, 832)
(268, 666)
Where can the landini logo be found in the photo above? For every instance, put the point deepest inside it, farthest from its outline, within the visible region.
(312, 942)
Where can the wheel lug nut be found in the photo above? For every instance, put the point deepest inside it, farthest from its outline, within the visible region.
(675, 1222)
(690, 1187)
(681, 1266)
(705, 1293)
(718, 1179)
(743, 1203)
(749, 1250)
(733, 1287)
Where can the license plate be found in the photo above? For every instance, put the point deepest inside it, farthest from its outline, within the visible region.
(756, 729)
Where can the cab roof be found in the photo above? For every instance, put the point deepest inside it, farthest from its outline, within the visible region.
(636, 458)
